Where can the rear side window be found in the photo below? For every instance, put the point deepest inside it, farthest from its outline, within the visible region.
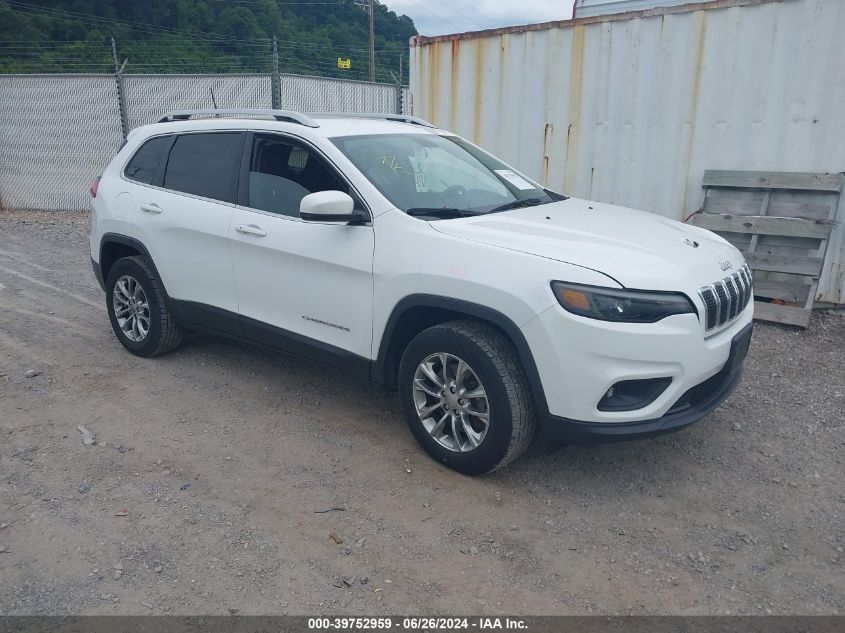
(145, 162)
(205, 164)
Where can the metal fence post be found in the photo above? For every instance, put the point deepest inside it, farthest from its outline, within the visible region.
(276, 80)
(399, 91)
(398, 84)
(121, 98)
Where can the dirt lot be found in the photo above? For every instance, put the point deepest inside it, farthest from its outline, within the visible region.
(742, 513)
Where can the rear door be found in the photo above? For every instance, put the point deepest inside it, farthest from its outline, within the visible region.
(185, 215)
(303, 286)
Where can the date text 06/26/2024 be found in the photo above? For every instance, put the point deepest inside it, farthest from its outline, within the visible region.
(416, 623)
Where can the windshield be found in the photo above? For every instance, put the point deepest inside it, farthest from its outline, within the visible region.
(439, 176)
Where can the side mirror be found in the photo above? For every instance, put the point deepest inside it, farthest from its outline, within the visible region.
(329, 206)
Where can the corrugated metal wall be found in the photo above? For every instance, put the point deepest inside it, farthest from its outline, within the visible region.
(633, 110)
(587, 8)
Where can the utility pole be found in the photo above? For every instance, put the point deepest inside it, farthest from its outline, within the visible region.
(368, 7)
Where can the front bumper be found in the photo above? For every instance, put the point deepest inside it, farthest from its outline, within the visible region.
(579, 359)
(681, 415)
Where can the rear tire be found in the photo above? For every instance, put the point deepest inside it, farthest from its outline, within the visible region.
(477, 433)
(137, 308)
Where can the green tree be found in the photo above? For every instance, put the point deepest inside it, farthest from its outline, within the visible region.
(196, 36)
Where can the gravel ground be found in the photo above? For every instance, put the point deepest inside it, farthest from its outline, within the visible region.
(207, 490)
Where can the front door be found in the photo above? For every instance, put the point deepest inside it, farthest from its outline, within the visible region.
(302, 286)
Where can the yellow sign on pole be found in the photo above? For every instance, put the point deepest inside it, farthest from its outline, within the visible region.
(344, 64)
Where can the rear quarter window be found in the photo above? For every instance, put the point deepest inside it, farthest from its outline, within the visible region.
(142, 168)
(205, 164)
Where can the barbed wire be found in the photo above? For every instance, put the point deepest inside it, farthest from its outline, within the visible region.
(319, 58)
(288, 64)
(62, 15)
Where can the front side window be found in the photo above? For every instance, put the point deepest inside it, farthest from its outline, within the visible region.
(205, 165)
(282, 172)
(142, 168)
(439, 176)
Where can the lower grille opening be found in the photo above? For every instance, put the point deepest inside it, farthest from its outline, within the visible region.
(699, 394)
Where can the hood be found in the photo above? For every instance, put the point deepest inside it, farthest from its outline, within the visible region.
(637, 249)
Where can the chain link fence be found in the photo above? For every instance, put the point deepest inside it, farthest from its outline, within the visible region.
(314, 94)
(57, 132)
(150, 96)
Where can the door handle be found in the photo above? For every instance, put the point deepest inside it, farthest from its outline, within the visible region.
(151, 207)
(251, 229)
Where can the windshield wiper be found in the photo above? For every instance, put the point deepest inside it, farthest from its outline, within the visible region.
(438, 212)
(516, 204)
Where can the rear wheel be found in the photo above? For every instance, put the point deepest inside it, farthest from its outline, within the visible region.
(138, 309)
(465, 396)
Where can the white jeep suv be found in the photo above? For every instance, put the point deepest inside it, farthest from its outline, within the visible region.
(383, 245)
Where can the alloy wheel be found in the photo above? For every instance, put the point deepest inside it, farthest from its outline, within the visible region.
(451, 402)
(131, 308)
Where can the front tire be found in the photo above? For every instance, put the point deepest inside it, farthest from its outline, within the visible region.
(465, 396)
(137, 309)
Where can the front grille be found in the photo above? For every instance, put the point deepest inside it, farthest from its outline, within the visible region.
(726, 298)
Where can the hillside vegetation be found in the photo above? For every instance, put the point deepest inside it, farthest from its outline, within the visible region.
(192, 36)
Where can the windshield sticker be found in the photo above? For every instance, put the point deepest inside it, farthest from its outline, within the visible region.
(420, 176)
(516, 180)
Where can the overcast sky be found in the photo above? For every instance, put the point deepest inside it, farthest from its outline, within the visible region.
(434, 17)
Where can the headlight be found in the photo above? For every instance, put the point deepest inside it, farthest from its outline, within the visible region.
(629, 306)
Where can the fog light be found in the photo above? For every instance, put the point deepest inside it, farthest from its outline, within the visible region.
(629, 395)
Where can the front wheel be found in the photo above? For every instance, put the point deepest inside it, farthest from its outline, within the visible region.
(138, 309)
(465, 396)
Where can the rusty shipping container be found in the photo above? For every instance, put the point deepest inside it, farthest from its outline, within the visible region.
(587, 8)
(631, 108)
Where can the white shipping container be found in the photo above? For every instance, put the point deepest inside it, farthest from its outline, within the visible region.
(632, 108)
(589, 8)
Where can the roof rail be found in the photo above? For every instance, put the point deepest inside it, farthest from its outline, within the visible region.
(280, 115)
(403, 118)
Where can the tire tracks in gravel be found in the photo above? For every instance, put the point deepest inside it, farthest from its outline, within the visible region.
(307, 447)
(266, 439)
(53, 287)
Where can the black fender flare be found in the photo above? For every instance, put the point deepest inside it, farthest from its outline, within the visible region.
(379, 369)
(117, 238)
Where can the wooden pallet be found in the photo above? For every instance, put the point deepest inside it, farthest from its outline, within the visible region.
(782, 223)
